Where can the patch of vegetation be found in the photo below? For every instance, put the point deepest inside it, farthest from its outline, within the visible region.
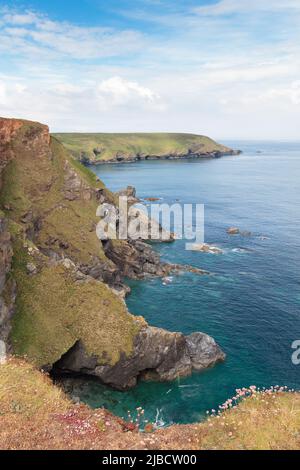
(36, 415)
(95, 147)
(82, 170)
(53, 311)
(12, 193)
(264, 420)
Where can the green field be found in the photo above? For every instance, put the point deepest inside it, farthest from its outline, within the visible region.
(105, 147)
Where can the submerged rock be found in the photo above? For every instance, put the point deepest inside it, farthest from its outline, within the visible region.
(233, 231)
(237, 231)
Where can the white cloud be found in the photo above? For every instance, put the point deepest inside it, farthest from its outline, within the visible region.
(122, 91)
(225, 7)
(21, 34)
(207, 74)
(289, 94)
(65, 105)
(2, 93)
(20, 19)
(10, 93)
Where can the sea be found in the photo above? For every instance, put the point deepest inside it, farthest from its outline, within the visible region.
(250, 303)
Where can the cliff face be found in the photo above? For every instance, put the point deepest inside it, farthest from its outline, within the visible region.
(8, 129)
(7, 288)
(112, 148)
(61, 292)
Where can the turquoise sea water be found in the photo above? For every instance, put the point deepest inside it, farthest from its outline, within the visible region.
(251, 305)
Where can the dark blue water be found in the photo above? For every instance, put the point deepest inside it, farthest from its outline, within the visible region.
(251, 305)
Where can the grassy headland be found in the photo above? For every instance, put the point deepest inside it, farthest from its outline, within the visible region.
(100, 147)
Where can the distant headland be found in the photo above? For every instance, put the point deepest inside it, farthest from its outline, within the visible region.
(97, 148)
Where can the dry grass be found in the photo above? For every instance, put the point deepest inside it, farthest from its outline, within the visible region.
(267, 420)
(35, 414)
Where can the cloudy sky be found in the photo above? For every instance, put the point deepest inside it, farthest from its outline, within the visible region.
(226, 68)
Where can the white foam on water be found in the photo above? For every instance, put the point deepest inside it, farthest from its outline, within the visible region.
(159, 422)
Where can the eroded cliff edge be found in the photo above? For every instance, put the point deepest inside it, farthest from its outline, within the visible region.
(61, 290)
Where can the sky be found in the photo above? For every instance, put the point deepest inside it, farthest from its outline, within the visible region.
(229, 69)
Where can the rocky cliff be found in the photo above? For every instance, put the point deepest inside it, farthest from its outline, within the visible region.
(61, 289)
(7, 287)
(114, 148)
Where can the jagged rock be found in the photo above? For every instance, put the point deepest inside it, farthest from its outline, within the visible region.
(7, 288)
(27, 217)
(67, 263)
(158, 355)
(203, 350)
(31, 268)
(205, 248)
(153, 229)
(74, 186)
(136, 259)
(130, 193)
(105, 271)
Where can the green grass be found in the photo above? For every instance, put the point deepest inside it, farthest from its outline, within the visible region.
(53, 311)
(104, 147)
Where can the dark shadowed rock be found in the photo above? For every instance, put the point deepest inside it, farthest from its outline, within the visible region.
(158, 355)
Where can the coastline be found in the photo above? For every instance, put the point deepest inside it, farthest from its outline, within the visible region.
(188, 156)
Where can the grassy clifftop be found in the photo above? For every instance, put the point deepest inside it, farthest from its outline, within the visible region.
(106, 147)
(37, 415)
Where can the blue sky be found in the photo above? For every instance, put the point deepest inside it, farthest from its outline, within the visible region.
(226, 68)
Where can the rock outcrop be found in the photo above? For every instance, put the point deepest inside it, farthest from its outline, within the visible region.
(130, 193)
(7, 287)
(8, 128)
(158, 355)
(62, 304)
(237, 231)
(233, 231)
